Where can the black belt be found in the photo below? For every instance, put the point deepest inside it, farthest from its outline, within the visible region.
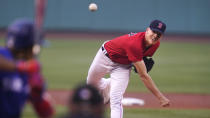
(103, 49)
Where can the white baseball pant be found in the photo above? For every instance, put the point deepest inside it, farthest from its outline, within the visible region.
(118, 81)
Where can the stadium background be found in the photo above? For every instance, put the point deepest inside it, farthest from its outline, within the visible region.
(188, 16)
(74, 34)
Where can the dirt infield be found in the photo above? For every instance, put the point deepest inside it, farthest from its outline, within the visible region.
(178, 101)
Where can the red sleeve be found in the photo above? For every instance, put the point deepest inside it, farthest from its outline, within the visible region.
(151, 50)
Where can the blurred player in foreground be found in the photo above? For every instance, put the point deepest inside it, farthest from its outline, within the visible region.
(86, 102)
(20, 74)
(116, 57)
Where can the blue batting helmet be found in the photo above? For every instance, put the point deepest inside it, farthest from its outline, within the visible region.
(20, 34)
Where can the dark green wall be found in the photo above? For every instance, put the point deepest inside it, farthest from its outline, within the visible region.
(181, 16)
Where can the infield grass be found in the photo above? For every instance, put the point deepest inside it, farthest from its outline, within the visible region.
(179, 67)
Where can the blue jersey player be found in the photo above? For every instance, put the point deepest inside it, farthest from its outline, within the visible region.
(14, 90)
(20, 73)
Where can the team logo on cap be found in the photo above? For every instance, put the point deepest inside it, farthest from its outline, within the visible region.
(160, 25)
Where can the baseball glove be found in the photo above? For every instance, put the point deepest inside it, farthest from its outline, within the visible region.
(149, 62)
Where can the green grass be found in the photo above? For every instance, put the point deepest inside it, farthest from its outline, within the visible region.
(66, 62)
(137, 113)
(165, 113)
(179, 67)
(29, 112)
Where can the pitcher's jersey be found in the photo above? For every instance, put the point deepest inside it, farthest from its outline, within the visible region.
(14, 90)
(129, 48)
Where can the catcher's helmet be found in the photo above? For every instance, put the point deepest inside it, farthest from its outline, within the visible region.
(87, 94)
(20, 34)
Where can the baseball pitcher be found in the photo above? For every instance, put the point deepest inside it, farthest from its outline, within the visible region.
(116, 57)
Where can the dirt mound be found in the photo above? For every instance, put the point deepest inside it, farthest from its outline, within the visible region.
(178, 101)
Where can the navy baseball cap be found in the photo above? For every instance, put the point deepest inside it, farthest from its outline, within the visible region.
(158, 26)
(20, 34)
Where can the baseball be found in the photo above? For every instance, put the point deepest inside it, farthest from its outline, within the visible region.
(93, 7)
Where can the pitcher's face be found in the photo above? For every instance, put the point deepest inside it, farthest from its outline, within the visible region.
(152, 37)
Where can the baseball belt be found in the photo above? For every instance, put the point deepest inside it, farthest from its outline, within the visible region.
(104, 51)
